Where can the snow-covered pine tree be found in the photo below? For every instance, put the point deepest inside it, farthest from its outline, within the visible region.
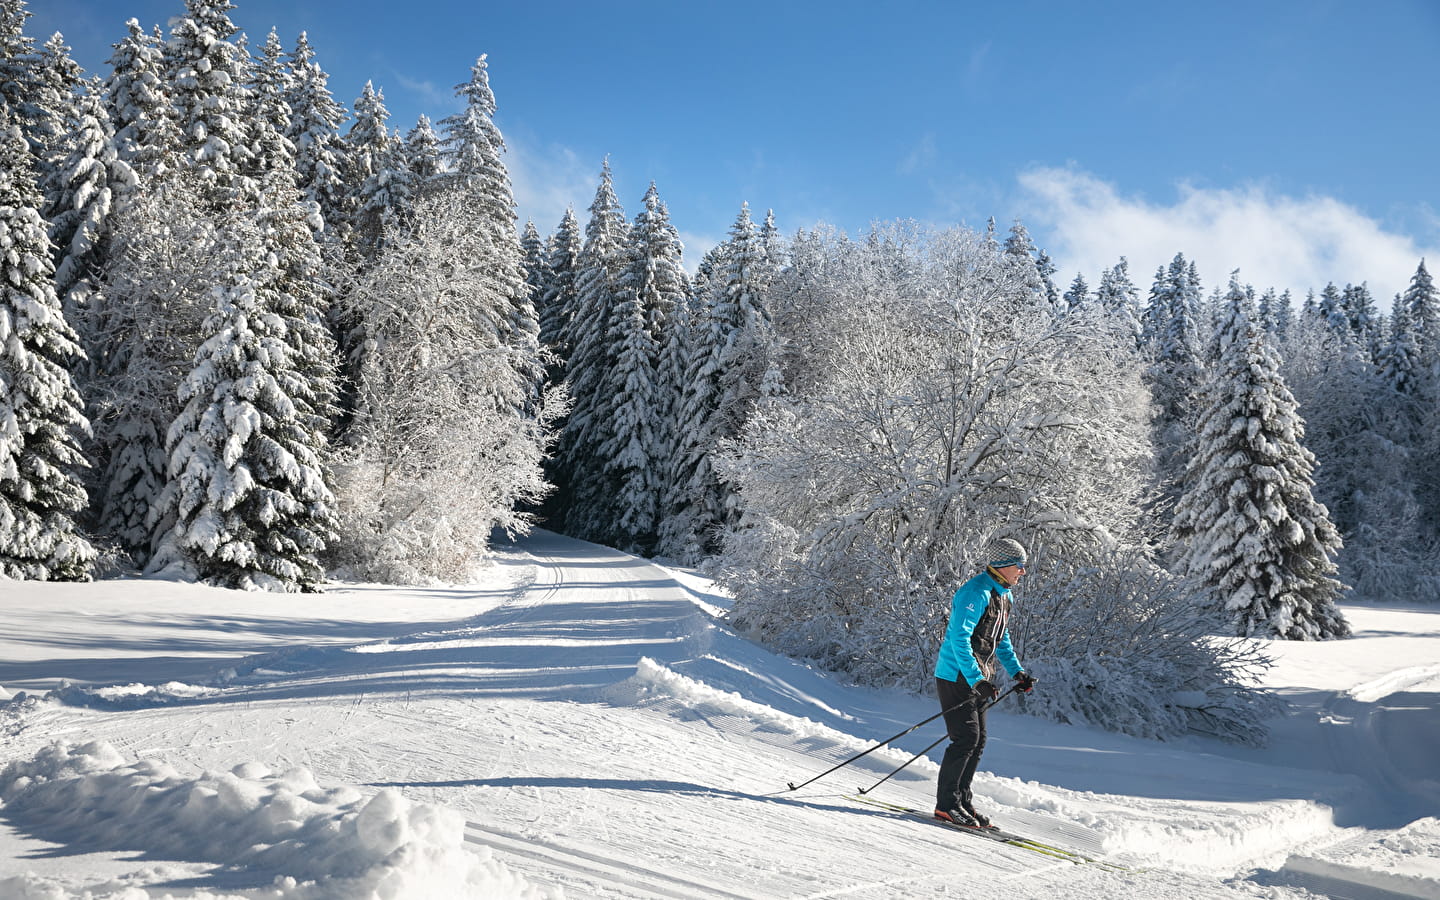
(536, 262)
(636, 448)
(207, 75)
(52, 112)
(1421, 301)
(1284, 316)
(315, 132)
(1252, 534)
(1020, 251)
(18, 77)
(138, 101)
(1175, 371)
(41, 414)
(1421, 305)
(1331, 309)
(1364, 318)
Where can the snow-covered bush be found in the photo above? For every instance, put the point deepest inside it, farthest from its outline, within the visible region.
(1117, 643)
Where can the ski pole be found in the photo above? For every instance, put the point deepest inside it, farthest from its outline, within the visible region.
(795, 787)
(907, 762)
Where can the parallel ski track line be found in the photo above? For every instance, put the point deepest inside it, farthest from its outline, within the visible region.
(620, 875)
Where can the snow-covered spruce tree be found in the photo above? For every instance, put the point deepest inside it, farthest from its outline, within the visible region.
(473, 147)
(315, 132)
(931, 406)
(634, 451)
(434, 463)
(269, 114)
(422, 152)
(207, 76)
(579, 466)
(1078, 293)
(1421, 303)
(90, 187)
(557, 303)
(41, 414)
(1254, 537)
(138, 101)
(52, 112)
(1117, 295)
(733, 345)
(18, 77)
(247, 492)
(1175, 372)
(369, 157)
(1359, 425)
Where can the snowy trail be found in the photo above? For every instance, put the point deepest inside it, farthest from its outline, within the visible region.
(601, 734)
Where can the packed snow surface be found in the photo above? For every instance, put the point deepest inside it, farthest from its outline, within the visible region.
(584, 724)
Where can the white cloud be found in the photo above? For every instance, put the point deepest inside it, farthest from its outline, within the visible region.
(546, 180)
(1274, 240)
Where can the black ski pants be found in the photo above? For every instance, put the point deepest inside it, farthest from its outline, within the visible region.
(966, 727)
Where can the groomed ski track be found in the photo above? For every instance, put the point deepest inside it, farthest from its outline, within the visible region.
(605, 734)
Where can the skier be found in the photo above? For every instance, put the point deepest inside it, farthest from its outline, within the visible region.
(965, 670)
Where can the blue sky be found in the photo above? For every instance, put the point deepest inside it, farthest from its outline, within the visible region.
(1295, 141)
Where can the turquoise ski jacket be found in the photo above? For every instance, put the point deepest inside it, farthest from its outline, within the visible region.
(977, 633)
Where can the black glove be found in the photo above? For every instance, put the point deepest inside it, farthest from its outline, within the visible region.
(1027, 682)
(986, 691)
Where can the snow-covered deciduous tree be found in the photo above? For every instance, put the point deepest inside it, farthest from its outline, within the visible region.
(435, 463)
(41, 417)
(941, 405)
(1253, 535)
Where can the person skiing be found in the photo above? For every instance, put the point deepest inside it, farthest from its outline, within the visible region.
(975, 638)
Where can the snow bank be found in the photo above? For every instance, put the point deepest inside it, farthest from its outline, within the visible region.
(319, 844)
(653, 681)
(1392, 682)
(1404, 862)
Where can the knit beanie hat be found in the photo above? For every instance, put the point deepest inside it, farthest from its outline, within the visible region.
(1002, 552)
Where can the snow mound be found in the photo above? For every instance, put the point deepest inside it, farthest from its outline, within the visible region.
(318, 844)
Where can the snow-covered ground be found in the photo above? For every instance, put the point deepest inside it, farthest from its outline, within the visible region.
(583, 725)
